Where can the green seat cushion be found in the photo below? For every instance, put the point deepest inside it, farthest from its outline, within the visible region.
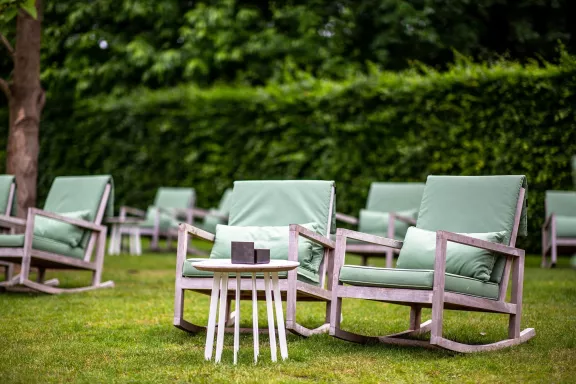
(166, 222)
(6, 182)
(60, 230)
(42, 244)
(415, 279)
(304, 275)
(419, 249)
(273, 238)
(566, 226)
(376, 223)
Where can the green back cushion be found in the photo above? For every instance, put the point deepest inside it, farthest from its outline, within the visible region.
(419, 249)
(225, 202)
(59, 230)
(393, 197)
(273, 238)
(561, 203)
(78, 194)
(167, 220)
(473, 204)
(574, 170)
(376, 223)
(181, 198)
(6, 182)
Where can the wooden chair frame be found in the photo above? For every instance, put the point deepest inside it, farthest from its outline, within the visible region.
(368, 250)
(291, 288)
(29, 257)
(8, 267)
(551, 242)
(438, 298)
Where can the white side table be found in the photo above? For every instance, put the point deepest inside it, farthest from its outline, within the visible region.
(221, 269)
(123, 226)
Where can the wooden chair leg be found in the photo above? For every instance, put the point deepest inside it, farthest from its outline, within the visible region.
(544, 247)
(365, 260)
(415, 317)
(389, 258)
(554, 251)
(41, 275)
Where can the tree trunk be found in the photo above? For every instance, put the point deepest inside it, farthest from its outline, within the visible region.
(26, 103)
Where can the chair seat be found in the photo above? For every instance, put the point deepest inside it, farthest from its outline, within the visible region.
(42, 244)
(304, 275)
(415, 279)
(566, 226)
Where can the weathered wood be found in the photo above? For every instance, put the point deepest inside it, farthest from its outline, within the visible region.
(313, 236)
(438, 287)
(371, 238)
(225, 265)
(478, 243)
(511, 243)
(524, 336)
(516, 297)
(346, 218)
(385, 294)
(194, 231)
(12, 222)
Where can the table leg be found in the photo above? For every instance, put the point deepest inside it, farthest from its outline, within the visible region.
(222, 316)
(212, 317)
(131, 242)
(270, 314)
(237, 320)
(138, 241)
(113, 236)
(255, 319)
(279, 317)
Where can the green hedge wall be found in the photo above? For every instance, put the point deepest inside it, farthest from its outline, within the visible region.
(471, 120)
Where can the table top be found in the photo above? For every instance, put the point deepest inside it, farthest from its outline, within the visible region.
(225, 265)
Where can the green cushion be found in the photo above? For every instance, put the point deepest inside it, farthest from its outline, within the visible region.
(273, 238)
(6, 182)
(565, 226)
(418, 252)
(42, 244)
(473, 204)
(59, 230)
(376, 223)
(394, 197)
(167, 220)
(181, 198)
(304, 275)
(415, 279)
(225, 202)
(561, 203)
(211, 220)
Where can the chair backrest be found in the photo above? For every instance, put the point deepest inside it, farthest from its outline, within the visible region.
(394, 197)
(284, 202)
(225, 202)
(561, 203)
(7, 195)
(475, 204)
(181, 198)
(574, 170)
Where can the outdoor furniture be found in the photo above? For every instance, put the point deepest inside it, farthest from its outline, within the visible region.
(214, 216)
(221, 269)
(296, 218)
(390, 209)
(455, 210)
(132, 230)
(574, 170)
(171, 205)
(559, 229)
(63, 235)
(7, 207)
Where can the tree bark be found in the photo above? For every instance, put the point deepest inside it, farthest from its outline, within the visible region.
(26, 103)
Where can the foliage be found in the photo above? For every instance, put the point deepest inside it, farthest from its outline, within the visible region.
(473, 119)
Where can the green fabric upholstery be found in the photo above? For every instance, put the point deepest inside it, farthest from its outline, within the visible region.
(566, 226)
(418, 252)
(6, 182)
(394, 197)
(166, 221)
(42, 244)
(60, 230)
(304, 275)
(574, 170)
(415, 279)
(225, 202)
(273, 238)
(561, 203)
(181, 198)
(376, 223)
(216, 216)
(473, 204)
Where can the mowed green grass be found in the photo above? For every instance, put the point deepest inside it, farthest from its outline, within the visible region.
(125, 334)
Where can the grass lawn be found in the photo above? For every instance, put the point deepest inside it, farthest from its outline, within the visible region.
(125, 334)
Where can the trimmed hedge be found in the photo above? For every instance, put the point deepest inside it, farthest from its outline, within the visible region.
(471, 120)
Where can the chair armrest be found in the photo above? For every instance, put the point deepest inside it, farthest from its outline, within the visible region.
(131, 210)
(327, 243)
(200, 212)
(548, 221)
(477, 243)
(346, 218)
(368, 238)
(10, 221)
(77, 222)
(406, 219)
(194, 231)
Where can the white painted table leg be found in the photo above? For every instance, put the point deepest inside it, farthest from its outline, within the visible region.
(279, 317)
(222, 316)
(111, 245)
(212, 317)
(270, 314)
(137, 240)
(255, 319)
(237, 320)
(131, 242)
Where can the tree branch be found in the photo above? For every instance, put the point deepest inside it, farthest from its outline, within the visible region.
(5, 88)
(7, 44)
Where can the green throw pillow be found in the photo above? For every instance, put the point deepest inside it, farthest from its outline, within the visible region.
(60, 231)
(273, 238)
(419, 250)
